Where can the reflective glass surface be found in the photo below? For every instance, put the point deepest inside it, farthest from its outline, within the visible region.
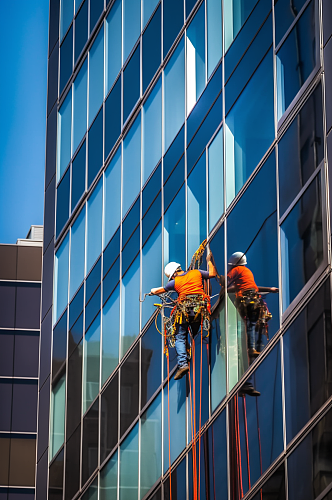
(81, 29)
(59, 345)
(152, 134)
(131, 83)
(130, 309)
(111, 279)
(301, 242)
(96, 75)
(174, 153)
(178, 482)
(151, 269)
(235, 14)
(151, 188)
(274, 486)
(113, 45)
(66, 15)
(61, 265)
(77, 253)
(55, 486)
(95, 148)
(174, 230)
(128, 483)
(96, 8)
(216, 456)
(113, 117)
(177, 421)
(151, 352)
(151, 47)
(110, 335)
(112, 197)
(73, 464)
(173, 183)
(109, 425)
(129, 376)
(57, 426)
(62, 202)
(131, 25)
(64, 136)
(131, 164)
(90, 442)
(66, 59)
(92, 308)
(78, 176)
(214, 34)
(216, 179)
(285, 13)
(94, 225)
(109, 479)
(148, 8)
(174, 91)
(195, 62)
(111, 251)
(196, 202)
(172, 20)
(91, 363)
(74, 390)
(296, 59)
(130, 222)
(130, 250)
(80, 89)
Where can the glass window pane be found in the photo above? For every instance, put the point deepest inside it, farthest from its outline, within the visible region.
(301, 149)
(95, 148)
(131, 25)
(196, 199)
(178, 482)
(274, 486)
(249, 128)
(301, 242)
(131, 83)
(195, 37)
(174, 230)
(148, 8)
(96, 8)
(81, 29)
(64, 136)
(151, 49)
(217, 456)
(285, 13)
(96, 75)
(57, 429)
(151, 188)
(150, 446)
(130, 222)
(152, 131)
(109, 418)
(66, 59)
(130, 309)
(90, 442)
(296, 59)
(109, 479)
(129, 378)
(113, 44)
(214, 34)
(174, 98)
(216, 179)
(78, 176)
(235, 15)
(173, 183)
(151, 218)
(151, 354)
(75, 334)
(59, 345)
(111, 279)
(112, 198)
(92, 308)
(66, 15)
(73, 463)
(110, 337)
(74, 390)
(80, 104)
(173, 13)
(92, 492)
(111, 251)
(113, 117)
(174, 153)
(91, 363)
(62, 202)
(129, 466)
(61, 266)
(94, 225)
(130, 251)
(151, 271)
(131, 164)
(177, 410)
(93, 281)
(55, 487)
(77, 253)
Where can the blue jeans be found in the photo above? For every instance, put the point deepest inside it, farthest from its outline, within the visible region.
(181, 340)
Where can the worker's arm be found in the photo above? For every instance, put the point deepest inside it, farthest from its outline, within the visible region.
(272, 289)
(157, 291)
(211, 268)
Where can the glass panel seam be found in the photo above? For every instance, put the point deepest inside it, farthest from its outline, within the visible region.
(293, 24)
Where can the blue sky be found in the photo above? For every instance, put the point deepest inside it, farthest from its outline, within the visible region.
(23, 91)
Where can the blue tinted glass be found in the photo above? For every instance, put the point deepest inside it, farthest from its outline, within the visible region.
(173, 183)
(151, 354)
(285, 13)
(174, 153)
(245, 36)
(189, 6)
(177, 410)
(131, 83)
(77, 5)
(92, 281)
(95, 147)
(248, 64)
(204, 104)
(130, 250)
(174, 230)
(130, 308)
(92, 308)
(195, 58)
(151, 49)
(57, 417)
(81, 29)
(296, 59)
(76, 306)
(173, 21)
(62, 202)
(301, 242)
(236, 13)
(152, 187)
(214, 34)
(128, 479)
(130, 222)
(131, 25)
(78, 176)
(148, 8)
(151, 218)
(152, 270)
(111, 279)
(112, 117)
(96, 8)
(66, 15)
(152, 131)
(61, 267)
(131, 165)
(178, 481)
(92, 492)
(109, 479)
(111, 251)
(150, 446)
(204, 133)
(75, 335)
(174, 92)
(77, 253)
(196, 200)
(94, 225)
(110, 335)
(96, 75)
(80, 105)
(59, 345)
(216, 179)
(217, 456)
(66, 59)
(200, 365)
(64, 137)
(113, 44)
(91, 361)
(249, 128)
(112, 196)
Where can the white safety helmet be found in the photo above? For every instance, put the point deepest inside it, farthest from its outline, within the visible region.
(170, 269)
(237, 259)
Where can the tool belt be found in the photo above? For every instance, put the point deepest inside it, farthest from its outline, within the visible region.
(251, 306)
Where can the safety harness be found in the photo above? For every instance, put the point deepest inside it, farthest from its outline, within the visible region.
(250, 303)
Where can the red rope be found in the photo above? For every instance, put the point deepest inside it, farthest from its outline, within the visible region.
(247, 442)
(200, 413)
(169, 427)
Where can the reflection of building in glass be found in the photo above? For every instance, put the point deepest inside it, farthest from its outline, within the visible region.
(169, 122)
(20, 286)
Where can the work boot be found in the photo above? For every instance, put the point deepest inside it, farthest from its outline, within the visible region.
(249, 390)
(181, 372)
(253, 353)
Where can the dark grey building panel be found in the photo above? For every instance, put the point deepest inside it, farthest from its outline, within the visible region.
(50, 146)
(47, 292)
(43, 419)
(49, 213)
(45, 348)
(328, 83)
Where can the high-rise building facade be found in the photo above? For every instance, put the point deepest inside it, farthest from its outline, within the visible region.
(20, 294)
(170, 122)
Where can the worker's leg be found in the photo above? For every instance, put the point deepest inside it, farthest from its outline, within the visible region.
(181, 344)
(251, 334)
